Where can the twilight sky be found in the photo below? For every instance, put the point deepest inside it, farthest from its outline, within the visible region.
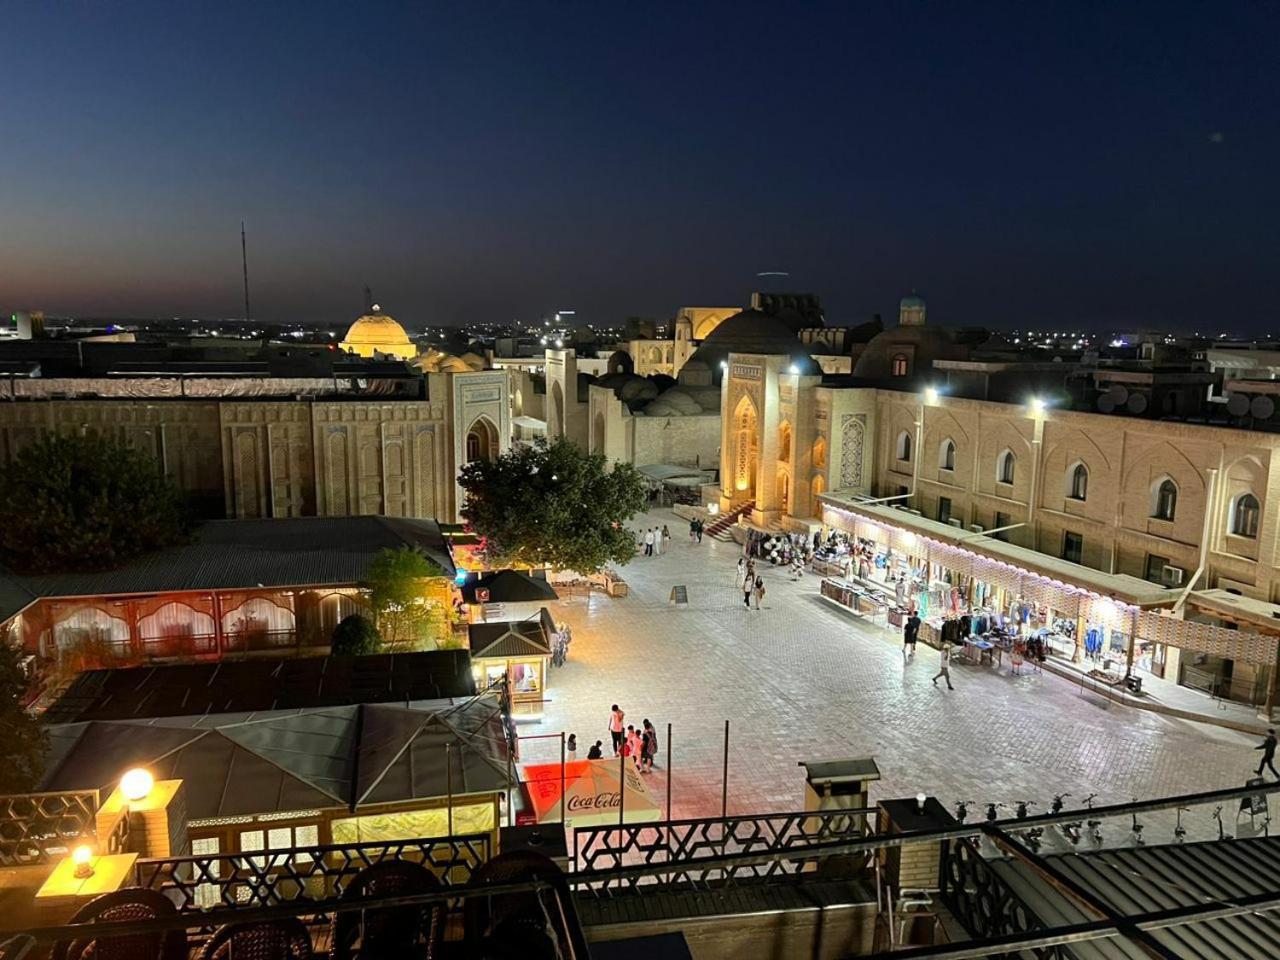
(1031, 164)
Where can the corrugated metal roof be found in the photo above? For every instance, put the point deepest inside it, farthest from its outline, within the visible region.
(244, 554)
(508, 638)
(248, 686)
(1138, 880)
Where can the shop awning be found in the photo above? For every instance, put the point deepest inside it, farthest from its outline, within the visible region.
(591, 796)
(1238, 609)
(1117, 586)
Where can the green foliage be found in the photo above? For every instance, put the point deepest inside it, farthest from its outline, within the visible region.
(396, 585)
(355, 636)
(72, 502)
(553, 504)
(23, 741)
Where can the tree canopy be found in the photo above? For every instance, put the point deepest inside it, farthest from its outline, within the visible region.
(398, 593)
(355, 636)
(553, 503)
(85, 502)
(23, 742)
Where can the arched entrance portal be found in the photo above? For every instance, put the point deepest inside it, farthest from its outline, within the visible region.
(482, 441)
(597, 434)
(746, 449)
(784, 491)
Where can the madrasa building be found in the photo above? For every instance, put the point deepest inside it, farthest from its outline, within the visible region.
(256, 429)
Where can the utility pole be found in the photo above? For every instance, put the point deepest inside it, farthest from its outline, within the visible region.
(244, 266)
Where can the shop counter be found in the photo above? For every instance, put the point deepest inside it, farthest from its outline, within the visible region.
(853, 597)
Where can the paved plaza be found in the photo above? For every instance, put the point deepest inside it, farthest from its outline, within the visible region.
(800, 679)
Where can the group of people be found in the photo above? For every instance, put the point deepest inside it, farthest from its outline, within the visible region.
(749, 582)
(696, 528)
(655, 540)
(641, 746)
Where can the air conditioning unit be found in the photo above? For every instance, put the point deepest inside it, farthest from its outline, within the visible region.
(976, 528)
(1172, 576)
(914, 512)
(955, 522)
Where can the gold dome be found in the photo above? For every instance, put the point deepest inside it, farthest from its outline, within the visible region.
(378, 333)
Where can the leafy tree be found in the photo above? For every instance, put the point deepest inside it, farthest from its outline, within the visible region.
(73, 502)
(23, 742)
(553, 503)
(400, 593)
(355, 636)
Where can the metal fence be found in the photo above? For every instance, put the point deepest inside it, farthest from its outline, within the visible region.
(269, 877)
(38, 828)
(685, 844)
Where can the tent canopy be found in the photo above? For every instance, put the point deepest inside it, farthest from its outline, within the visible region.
(508, 586)
(591, 796)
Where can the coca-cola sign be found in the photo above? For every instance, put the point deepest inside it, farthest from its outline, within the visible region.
(601, 801)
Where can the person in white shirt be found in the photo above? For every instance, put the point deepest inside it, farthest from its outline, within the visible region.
(945, 671)
(648, 542)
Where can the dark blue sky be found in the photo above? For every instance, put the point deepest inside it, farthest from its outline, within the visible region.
(1035, 163)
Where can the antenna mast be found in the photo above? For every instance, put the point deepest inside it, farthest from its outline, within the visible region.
(244, 266)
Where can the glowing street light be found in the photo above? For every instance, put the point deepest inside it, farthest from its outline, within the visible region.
(931, 395)
(136, 784)
(1037, 405)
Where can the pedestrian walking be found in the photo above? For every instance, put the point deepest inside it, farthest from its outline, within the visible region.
(747, 584)
(571, 747)
(945, 670)
(910, 633)
(742, 571)
(616, 728)
(759, 591)
(1268, 748)
(648, 542)
(646, 748)
(701, 527)
(693, 529)
(666, 538)
(596, 752)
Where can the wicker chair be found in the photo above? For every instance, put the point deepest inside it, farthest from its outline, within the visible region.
(130, 903)
(491, 922)
(390, 933)
(284, 939)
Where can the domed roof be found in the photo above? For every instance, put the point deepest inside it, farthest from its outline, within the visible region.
(750, 331)
(911, 300)
(920, 345)
(376, 329)
(684, 402)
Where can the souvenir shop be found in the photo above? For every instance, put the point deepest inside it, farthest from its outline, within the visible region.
(993, 609)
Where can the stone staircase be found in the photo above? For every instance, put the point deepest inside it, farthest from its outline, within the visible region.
(719, 528)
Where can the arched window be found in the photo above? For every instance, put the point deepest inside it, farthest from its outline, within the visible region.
(1004, 467)
(820, 452)
(784, 441)
(947, 455)
(904, 446)
(898, 365)
(1164, 503)
(1244, 516)
(1078, 489)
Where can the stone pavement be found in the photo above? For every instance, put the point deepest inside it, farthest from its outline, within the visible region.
(801, 679)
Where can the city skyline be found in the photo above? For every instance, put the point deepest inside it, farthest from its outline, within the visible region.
(1030, 167)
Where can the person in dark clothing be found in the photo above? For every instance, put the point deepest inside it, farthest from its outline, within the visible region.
(701, 527)
(910, 633)
(596, 753)
(1268, 748)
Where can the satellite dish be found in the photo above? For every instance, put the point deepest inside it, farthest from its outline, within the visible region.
(1238, 405)
(1118, 394)
(1137, 403)
(1106, 404)
(1262, 408)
